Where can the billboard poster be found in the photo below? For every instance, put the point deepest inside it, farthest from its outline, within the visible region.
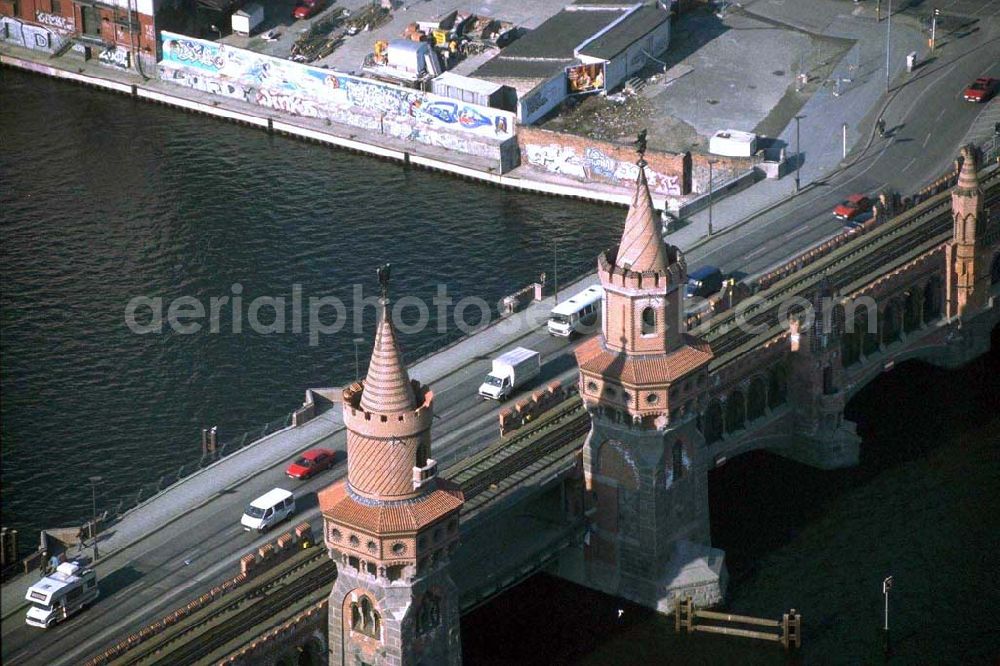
(585, 78)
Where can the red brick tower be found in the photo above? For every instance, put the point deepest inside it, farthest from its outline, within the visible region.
(967, 256)
(643, 382)
(392, 526)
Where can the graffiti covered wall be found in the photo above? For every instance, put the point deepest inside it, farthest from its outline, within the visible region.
(46, 37)
(314, 92)
(669, 174)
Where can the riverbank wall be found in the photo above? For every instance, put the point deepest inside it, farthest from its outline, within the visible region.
(315, 130)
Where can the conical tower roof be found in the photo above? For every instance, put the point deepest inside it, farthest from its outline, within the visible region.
(968, 179)
(642, 248)
(387, 386)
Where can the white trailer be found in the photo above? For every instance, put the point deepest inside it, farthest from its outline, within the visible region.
(247, 19)
(60, 594)
(510, 371)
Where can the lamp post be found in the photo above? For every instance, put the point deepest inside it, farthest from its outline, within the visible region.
(888, 44)
(357, 359)
(934, 17)
(94, 480)
(555, 269)
(798, 154)
(886, 586)
(843, 130)
(215, 28)
(711, 183)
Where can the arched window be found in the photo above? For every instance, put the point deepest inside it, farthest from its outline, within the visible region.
(365, 619)
(648, 321)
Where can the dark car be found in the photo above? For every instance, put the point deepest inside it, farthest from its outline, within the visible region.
(704, 282)
(859, 221)
(852, 206)
(311, 463)
(981, 90)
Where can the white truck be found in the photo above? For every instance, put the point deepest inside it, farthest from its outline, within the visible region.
(68, 589)
(246, 20)
(510, 371)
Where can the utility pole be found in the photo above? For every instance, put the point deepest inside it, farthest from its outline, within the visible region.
(934, 17)
(844, 141)
(94, 480)
(798, 154)
(886, 586)
(878, 11)
(710, 187)
(888, 45)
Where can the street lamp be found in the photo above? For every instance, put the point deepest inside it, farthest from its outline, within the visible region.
(94, 480)
(555, 270)
(710, 187)
(934, 18)
(357, 359)
(215, 28)
(886, 586)
(888, 44)
(798, 154)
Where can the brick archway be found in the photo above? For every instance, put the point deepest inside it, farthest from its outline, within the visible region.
(756, 398)
(735, 412)
(713, 422)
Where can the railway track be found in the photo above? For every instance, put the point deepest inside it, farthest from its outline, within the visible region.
(922, 228)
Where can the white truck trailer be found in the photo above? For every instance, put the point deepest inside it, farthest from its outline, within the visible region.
(60, 594)
(246, 20)
(510, 371)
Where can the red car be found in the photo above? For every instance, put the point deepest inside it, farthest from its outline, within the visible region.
(311, 462)
(981, 90)
(853, 206)
(307, 8)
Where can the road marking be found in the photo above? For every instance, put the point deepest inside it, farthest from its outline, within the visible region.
(910, 163)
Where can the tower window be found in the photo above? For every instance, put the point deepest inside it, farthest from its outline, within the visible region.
(365, 619)
(648, 321)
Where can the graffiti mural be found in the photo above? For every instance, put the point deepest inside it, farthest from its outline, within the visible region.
(56, 22)
(315, 92)
(115, 57)
(30, 36)
(596, 165)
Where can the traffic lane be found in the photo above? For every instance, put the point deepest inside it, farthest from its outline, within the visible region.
(172, 568)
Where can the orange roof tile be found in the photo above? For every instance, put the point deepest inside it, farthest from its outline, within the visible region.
(387, 385)
(642, 248)
(389, 518)
(643, 370)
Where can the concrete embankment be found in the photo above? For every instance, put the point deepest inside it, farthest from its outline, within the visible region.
(352, 139)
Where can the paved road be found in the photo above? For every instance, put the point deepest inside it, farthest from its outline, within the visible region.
(168, 568)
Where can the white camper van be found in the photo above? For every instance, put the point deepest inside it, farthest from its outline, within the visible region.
(268, 510)
(577, 315)
(60, 594)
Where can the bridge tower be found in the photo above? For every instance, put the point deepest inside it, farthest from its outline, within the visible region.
(645, 462)
(967, 256)
(822, 437)
(392, 525)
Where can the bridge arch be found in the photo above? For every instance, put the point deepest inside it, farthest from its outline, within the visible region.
(712, 422)
(736, 415)
(312, 652)
(995, 269)
(756, 398)
(888, 323)
(932, 299)
(777, 386)
(912, 309)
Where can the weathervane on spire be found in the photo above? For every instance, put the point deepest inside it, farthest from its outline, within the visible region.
(383, 279)
(640, 147)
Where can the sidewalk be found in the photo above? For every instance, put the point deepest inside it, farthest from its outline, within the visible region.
(277, 449)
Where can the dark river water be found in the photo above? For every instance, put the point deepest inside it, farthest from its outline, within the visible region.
(103, 200)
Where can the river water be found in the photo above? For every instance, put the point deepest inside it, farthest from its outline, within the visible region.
(103, 200)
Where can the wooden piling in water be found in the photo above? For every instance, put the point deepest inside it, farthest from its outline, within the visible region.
(686, 617)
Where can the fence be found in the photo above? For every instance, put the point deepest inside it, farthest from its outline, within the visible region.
(685, 616)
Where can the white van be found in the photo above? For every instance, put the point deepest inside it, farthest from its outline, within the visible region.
(577, 315)
(268, 510)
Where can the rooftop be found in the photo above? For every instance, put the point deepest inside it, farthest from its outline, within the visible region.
(631, 29)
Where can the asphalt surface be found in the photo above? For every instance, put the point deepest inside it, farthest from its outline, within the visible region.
(927, 120)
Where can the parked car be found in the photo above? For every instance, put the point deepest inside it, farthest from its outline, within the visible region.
(307, 8)
(851, 207)
(311, 463)
(981, 90)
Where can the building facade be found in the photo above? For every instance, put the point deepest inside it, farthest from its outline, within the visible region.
(392, 525)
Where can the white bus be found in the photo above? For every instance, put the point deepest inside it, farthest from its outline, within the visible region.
(578, 314)
(60, 594)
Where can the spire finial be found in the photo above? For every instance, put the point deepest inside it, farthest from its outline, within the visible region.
(640, 148)
(383, 279)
